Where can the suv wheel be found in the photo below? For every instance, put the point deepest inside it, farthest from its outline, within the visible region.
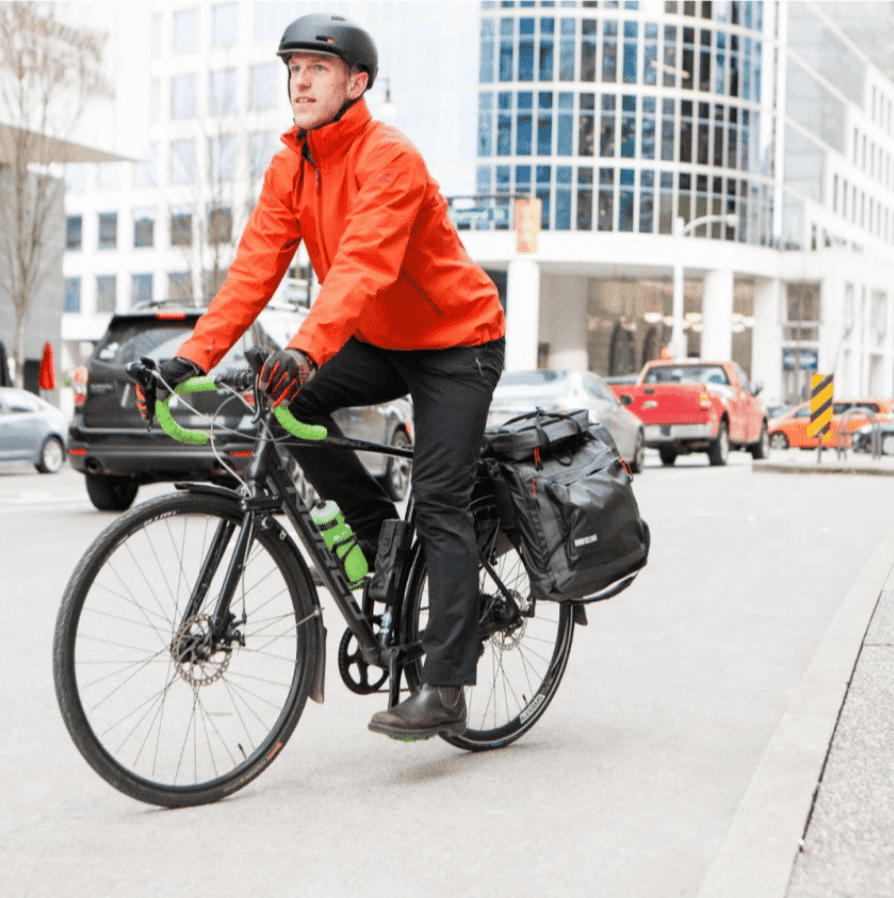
(111, 493)
(396, 479)
(52, 456)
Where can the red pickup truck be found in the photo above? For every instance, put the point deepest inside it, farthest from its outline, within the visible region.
(696, 406)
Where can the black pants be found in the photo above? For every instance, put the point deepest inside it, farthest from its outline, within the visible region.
(451, 391)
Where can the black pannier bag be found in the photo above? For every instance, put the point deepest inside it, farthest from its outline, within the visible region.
(566, 500)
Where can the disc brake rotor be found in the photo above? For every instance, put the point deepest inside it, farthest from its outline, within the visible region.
(199, 660)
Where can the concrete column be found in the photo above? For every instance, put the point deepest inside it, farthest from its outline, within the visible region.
(766, 339)
(566, 310)
(522, 313)
(717, 316)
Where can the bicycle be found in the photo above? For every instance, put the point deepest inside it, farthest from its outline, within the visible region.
(190, 634)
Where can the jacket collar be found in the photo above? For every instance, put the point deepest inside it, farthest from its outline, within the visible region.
(332, 139)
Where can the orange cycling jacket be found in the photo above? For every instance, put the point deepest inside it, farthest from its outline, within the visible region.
(392, 269)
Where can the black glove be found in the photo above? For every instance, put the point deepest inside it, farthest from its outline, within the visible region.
(173, 372)
(284, 373)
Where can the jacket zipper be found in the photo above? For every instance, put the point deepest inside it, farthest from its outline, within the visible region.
(319, 216)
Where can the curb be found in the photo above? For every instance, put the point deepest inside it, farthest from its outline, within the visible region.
(758, 853)
(872, 470)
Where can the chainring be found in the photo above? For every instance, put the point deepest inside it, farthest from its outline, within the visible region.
(354, 670)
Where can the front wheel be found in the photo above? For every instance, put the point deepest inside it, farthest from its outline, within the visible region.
(164, 708)
(520, 663)
(52, 456)
(761, 449)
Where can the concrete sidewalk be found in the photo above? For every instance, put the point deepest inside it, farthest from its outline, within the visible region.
(817, 820)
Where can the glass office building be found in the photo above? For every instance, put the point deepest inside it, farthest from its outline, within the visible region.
(765, 128)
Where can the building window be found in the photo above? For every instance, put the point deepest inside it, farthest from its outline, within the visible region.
(72, 295)
(225, 25)
(526, 50)
(179, 285)
(686, 131)
(523, 123)
(609, 51)
(223, 157)
(186, 31)
(669, 68)
(485, 123)
(544, 189)
(566, 50)
(586, 125)
(222, 92)
(181, 226)
(108, 175)
(628, 126)
(73, 232)
(650, 54)
(486, 73)
(154, 100)
(105, 293)
(504, 124)
(647, 147)
(143, 228)
(262, 145)
(646, 201)
(631, 34)
(507, 31)
(155, 37)
(607, 128)
(585, 198)
(547, 32)
(606, 199)
(140, 289)
(183, 161)
(668, 130)
(145, 172)
(220, 224)
(183, 97)
(263, 86)
(625, 200)
(108, 230)
(563, 198)
(565, 125)
(588, 50)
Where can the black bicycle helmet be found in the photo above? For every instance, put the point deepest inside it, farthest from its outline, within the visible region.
(330, 35)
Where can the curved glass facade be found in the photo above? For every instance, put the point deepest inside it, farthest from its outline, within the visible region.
(621, 115)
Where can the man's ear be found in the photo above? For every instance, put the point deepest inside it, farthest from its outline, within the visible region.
(358, 84)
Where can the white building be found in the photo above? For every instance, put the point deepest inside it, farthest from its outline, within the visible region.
(773, 119)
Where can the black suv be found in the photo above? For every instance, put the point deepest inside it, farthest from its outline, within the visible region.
(109, 442)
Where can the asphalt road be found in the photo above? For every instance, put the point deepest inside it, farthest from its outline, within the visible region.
(629, 785)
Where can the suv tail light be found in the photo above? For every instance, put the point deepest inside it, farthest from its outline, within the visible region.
(79, 383)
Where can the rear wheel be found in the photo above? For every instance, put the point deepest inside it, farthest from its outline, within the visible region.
(639, 454)
(163, 708)
(520, 663)
(52, 456)
(109, 493)
(761, 449)
(396, 479)
(718, 454)
(668, 455)
(778, 440)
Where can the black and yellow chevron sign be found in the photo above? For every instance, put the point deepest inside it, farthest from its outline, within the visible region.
(821, 389)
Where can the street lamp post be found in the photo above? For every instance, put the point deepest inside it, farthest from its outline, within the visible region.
(680, 228)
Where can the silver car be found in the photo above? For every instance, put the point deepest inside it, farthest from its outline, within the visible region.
(553, 390)
(31, 430)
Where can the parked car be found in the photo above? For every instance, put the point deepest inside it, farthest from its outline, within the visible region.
(110, 444)
(553, 390)
(697, 406)
(793, 427)
(31, 430)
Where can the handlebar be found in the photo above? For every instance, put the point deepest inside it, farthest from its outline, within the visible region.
(144, 373)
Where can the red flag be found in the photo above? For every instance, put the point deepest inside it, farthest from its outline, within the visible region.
(46, 378)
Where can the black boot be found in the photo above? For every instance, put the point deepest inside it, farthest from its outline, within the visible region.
(431, 710)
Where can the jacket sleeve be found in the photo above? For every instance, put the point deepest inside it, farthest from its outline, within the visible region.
(265, 252)
(371, 251)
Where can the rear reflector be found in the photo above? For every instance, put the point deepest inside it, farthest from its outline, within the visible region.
(240, 453)
(77, 451)
(169, 315)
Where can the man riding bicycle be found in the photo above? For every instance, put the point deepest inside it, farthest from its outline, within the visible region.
(401, 309)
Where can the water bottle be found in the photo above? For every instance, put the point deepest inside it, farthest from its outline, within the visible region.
(340, 539)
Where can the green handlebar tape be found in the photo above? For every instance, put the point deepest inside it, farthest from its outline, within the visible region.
(295, 427)
(170, 426)
(200, 437)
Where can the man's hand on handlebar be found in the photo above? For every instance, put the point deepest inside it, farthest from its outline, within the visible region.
(172, 372)
(284, 373)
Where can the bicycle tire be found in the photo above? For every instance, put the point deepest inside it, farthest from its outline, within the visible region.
(156, 719)
(519, 668)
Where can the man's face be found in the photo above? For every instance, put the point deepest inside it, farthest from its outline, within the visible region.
(319, 86)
